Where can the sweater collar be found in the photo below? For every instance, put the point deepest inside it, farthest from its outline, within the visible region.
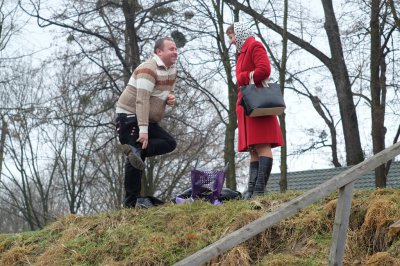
(160, 63)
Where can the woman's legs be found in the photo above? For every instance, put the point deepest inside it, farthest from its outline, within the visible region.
(263, 153)
(253, 172)
(263, 149)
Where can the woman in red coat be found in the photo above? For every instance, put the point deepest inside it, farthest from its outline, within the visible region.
(258, 135)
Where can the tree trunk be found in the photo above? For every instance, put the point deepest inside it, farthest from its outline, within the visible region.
(377, 91)
(132, 54)
(354, 153)
(229, 151)
(2, 141)
(282, 72)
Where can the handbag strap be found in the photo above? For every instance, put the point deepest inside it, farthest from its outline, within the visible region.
(264, 82)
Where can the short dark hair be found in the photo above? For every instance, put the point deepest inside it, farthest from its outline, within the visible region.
(160, 43)
(230, 30)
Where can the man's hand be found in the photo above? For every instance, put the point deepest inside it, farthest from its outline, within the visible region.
(144, 139)
(171, 100)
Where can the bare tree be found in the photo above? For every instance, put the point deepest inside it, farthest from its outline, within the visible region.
(25, 196)
(8, 26)
(393, 9)
(282, 75)
(23, 184)
(215, 61)
(99, 29)
(377, 109)
(381, 33)
(76, 122)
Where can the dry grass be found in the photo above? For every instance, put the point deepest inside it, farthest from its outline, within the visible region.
(382, 259)
(166, 234)
(382, 210)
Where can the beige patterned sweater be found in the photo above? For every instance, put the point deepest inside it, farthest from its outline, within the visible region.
(146, 92)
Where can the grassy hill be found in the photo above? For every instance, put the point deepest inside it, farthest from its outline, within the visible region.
(166, 234)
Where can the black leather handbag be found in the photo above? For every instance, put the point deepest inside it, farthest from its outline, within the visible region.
(267, 100)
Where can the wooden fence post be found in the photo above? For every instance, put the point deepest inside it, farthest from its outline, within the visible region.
(343, 209)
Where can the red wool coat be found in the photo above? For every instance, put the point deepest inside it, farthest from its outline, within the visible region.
(254, 130)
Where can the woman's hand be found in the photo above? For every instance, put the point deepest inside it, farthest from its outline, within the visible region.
(243, 78)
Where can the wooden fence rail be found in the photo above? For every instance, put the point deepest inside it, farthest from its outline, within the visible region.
(296, 205)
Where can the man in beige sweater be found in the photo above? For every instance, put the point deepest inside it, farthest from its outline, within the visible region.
(140, 108)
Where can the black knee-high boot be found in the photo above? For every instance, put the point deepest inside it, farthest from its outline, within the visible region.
(264, 170)
(253, 171)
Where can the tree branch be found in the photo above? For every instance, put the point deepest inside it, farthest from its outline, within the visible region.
(270, 24)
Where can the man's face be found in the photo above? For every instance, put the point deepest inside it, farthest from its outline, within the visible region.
(169, 54)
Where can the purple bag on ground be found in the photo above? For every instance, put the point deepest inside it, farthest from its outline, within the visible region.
(207, 184)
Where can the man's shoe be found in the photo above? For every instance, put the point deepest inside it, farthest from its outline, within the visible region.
(133, 154)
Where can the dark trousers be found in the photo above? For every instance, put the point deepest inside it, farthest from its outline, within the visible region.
(160, 142)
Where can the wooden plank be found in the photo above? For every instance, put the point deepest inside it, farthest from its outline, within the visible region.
(290, 208)
(341, 224)
(394, 228)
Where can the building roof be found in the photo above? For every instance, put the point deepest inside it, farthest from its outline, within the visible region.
(305, 180)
